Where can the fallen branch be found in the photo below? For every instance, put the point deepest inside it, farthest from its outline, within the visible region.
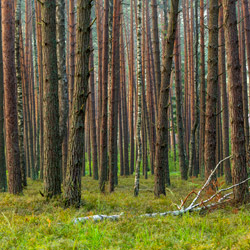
(97, 218)
(208, 181)
(223, 190)
(183, 202)
(191, 208)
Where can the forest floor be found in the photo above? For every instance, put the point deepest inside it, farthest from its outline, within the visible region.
(29, 221)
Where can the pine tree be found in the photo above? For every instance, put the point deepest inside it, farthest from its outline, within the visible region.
(3, 178)
(162, 119)
(239, 170)
(212, 89)
(10, 99)
(52, 180)
(76, 133)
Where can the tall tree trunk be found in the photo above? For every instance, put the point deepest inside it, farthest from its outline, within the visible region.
(19, 93)
(10, 100)
(196, 168)
(99, 30)
(52, 180)
(180, 129)
(186, 93)
(72, 42)
(149, 90)
(76, 143)
(26, 92)
(34, 172)
(3, 178)
(244, 76)
(223, 86)
(62, 83)
(156, 46)
(104, 124)
(40, 70)
(193, 164)
(24, 78)
(115, 75)
(88, 139)
(120, 135)
(212, 86)
(123, 93)
(162, 120)
(36, 92)
(239, 170)
(246, 21)
(202, 90)
(131, 90)
(92, 122)
(139, 96)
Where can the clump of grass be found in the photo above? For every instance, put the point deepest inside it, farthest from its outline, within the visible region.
(29, 221)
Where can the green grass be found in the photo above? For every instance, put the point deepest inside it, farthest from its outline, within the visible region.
(29, 221)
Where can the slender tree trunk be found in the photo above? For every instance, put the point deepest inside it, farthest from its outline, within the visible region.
(40, 70)
(239, 170)
(180, 129)
(27, 91)
(186, 92)
(173, 142)
(202, 90)
(76, 143)
(150, 101)
(244, 76)
(115, 75)
(139, 93)
(62, 83)
(34, 172)
(87, 125)
(72, 42)
(223, 86)
(246, 21)
(99, 30)
(36, 92)
(131, 90)
(3, 178)
(212, 86)
(156, 46)
(19, 93)
(24, 78)
(120, 136)
(52, 180)
(162, 120)
(10, 100)
(193, 164)
(123, 93)
(92, 122)
(104, 123)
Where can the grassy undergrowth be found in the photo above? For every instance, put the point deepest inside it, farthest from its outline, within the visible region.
(29, 221)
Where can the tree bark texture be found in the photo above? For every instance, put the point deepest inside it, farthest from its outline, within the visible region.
(3, 178)
(139, 96)
(115, 77)
(62, 83)
(19, 93)
(179, 118)
(212, 89)
(239, 170)
(162, 120)
(223, 86)
(104, 123)
(10, 99)
(52, 180)
(76, 134)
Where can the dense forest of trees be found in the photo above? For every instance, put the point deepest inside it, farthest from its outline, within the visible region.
(111, 88)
